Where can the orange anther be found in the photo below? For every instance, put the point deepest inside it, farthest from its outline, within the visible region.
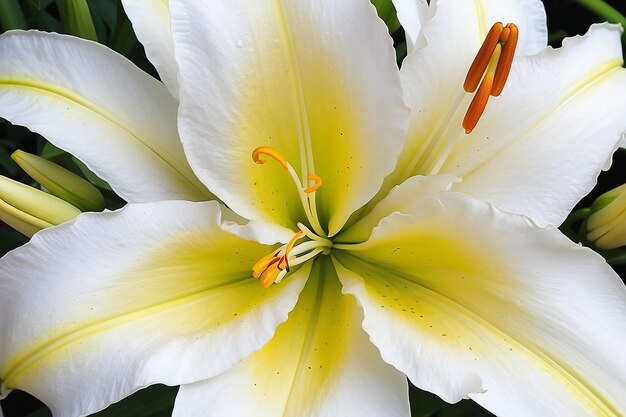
(264, 263)
(314, 187)
(479, 102)
(270, 266)
(269, 277)
(271, 152)
(505, 33)
(481, 62)
(506, 60)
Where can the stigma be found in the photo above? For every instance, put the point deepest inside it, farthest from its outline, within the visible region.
(489, 70)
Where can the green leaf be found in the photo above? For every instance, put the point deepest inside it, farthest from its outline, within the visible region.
(10, 239)
(123, 38)
(35, 3)
(465, 408)
(49, 151)
(77, 19)
(387, 12)
(424, 403)
(614, 257)
(154, 401)
(93, 178)
(6, 163)
(11, 16)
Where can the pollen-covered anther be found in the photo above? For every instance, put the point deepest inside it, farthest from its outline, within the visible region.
(264, 263)
(489, 70)
(314, 187)
(271, 266)
(271, 152)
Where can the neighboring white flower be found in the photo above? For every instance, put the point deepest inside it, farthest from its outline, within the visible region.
(606, 225)
(452, 290)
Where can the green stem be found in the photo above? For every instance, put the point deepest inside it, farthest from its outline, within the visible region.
(11, 16)
(603, 10)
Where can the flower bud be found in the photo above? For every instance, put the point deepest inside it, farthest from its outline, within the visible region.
(606, 225)
(29, 210)
(60, 182)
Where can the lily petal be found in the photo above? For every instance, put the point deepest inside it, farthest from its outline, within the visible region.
(401, 199)
(469, 300)
(412, 14)
(296, 76)
(540, 147)
(433, 76)
(164, 295)
(98, 106)
(151, 23)
(319, 363)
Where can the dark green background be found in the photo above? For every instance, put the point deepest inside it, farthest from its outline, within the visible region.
(565, 18)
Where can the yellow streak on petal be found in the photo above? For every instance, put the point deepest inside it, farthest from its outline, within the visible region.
(189, 284)
(450, 294)
(299, 364)
(176, 166)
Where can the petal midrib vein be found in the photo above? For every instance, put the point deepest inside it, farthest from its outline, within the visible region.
(298, 100)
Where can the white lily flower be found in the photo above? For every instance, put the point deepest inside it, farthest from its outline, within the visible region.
(460, 291)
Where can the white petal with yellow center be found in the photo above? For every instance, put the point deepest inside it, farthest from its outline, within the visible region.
(162, 295)
(433, 76)
(95, 104)
(295, 76)
(541, 145)
(319, 363)
(468, 300)
(151, 23)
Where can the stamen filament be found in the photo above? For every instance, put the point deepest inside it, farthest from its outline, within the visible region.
(312, 235)
(306, 247)
(308, 203)
(285, 256)
(307, 196)
(302, 259)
